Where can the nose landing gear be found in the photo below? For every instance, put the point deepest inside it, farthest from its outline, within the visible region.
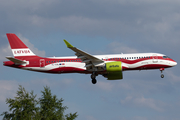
(161, 69)
(93, 77)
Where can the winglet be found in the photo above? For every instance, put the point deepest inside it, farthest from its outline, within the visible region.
(68, 44)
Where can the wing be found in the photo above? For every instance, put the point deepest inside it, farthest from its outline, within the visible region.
(92, 62)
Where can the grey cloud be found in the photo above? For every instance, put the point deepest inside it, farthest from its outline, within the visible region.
(145, 102)
(146, 24)
(117, 47)
(31, 46)
(6, 50)
(108, 18)
(7, 89)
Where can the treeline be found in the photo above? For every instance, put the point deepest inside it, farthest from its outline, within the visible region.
(25, 106)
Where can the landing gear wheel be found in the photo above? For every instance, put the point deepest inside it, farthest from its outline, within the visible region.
(94, 81)
(162, 76)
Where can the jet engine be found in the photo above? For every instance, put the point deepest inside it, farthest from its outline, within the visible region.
(114, 70)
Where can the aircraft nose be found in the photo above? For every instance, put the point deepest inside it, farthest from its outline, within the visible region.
(174, 63)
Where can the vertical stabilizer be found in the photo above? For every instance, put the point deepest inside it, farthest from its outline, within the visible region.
(18, 48)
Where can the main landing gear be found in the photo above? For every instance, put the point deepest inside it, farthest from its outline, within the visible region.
(93, 77)
(161, 69)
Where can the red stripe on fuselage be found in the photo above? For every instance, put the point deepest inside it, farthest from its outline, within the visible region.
(139, 60)
(148, 67)
(34, 61)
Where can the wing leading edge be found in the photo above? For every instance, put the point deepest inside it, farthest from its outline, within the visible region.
(91, 61)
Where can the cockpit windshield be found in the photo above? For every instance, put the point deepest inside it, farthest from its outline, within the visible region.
(165, 57)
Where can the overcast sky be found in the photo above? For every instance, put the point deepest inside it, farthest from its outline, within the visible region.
(97, 27)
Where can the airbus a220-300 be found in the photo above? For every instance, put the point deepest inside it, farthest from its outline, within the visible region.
(110, 66)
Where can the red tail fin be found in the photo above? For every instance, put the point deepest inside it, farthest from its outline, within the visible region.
(18, 47)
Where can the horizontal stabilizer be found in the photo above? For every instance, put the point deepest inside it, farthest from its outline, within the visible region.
(15, 60)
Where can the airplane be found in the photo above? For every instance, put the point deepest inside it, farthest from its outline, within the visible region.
(110, 66)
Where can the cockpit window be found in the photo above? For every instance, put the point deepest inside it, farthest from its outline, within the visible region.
(165, 57)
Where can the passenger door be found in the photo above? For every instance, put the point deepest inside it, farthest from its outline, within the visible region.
(155, 58)
(42, 62)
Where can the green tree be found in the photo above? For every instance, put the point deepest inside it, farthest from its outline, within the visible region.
(51, 107)
(25, 106)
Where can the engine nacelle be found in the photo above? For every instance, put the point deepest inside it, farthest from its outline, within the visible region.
(114, 71)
